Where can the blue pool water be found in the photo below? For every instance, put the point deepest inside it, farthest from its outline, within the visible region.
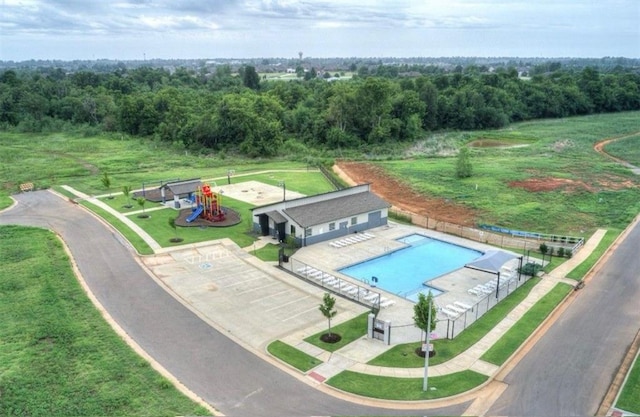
(406, 271)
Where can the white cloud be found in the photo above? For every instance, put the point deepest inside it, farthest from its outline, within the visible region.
(331, 27)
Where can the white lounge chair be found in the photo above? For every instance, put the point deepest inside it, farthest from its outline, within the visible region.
(450, 314)
(385, 302)
(455, 308)
(371, 297)
(474, 291)
(462, 305)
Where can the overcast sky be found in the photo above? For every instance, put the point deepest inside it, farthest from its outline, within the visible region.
(138, 29)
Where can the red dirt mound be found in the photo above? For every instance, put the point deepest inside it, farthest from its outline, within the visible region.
(402, 196)
(551, 184)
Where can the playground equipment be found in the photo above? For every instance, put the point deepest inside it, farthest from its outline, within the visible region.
(208, 205)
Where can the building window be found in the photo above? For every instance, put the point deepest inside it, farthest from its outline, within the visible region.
(307, 232)
(293, 230)
(354, 221)
(332, 226)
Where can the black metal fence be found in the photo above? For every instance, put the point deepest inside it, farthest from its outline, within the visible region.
(455, 324)
(362, 294)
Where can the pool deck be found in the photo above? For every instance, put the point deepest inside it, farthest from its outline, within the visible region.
(455, 285)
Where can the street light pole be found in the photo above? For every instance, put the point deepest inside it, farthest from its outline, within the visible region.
(284, 190)
(426, 353)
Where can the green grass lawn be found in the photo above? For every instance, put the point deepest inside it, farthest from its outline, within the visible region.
(58, 357)
(350, 330)
(406, 389)
(629, 399)
(403, 356)
(581, 270)
(522, 329)
(293, 356)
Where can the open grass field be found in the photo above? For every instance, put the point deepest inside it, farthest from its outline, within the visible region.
(80, 162)
(546, 176)
(58, 357)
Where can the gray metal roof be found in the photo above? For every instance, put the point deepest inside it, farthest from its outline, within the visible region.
(336, 209)
(276, 217)
(183, 187)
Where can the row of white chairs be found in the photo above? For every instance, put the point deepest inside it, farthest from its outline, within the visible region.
(490, 287)
(355, 238)
(454, 310)
(344, 287)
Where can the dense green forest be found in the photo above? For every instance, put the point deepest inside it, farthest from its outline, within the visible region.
(243, 112)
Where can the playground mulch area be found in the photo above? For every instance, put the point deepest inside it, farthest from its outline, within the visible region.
(231, 218)
(154, 195)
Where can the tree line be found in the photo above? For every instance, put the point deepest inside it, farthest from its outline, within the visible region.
(239, 110)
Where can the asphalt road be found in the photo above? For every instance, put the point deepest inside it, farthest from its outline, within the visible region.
(568, 372)
(232, 379)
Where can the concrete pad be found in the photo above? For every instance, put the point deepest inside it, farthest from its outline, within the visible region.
(256, 305)
(255, 192)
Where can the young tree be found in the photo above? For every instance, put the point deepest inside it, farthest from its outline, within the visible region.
(327, 310)
(141, 202)
(543, 250)
(463, 164)
(421, 313)
(126, 191)
(172, 224)
(106, 181)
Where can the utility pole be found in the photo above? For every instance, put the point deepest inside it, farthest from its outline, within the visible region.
(427, 351)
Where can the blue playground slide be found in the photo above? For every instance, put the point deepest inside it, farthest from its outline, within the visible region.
(195, 214)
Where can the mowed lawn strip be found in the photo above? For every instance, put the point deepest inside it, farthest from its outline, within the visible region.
(581, 270)
(406, 389)
(403, 356)
(58, 356)
(523, 328)
(350, 330)
(294, 357)
(629, 399)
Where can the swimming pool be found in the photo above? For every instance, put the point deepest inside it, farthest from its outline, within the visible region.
(405, 271)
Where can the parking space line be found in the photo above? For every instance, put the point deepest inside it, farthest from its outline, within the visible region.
(286, 304)
(270, 296)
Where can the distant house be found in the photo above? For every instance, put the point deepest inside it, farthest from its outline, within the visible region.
(322, 217)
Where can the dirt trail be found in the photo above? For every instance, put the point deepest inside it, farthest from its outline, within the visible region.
(599, 147)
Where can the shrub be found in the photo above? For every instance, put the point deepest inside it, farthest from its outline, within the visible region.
(530, 269)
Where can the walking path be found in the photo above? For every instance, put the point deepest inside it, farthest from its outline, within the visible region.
(354, 356)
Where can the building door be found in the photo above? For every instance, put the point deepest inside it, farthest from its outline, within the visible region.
(375, 219)
(281, 231)
(264, 224)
